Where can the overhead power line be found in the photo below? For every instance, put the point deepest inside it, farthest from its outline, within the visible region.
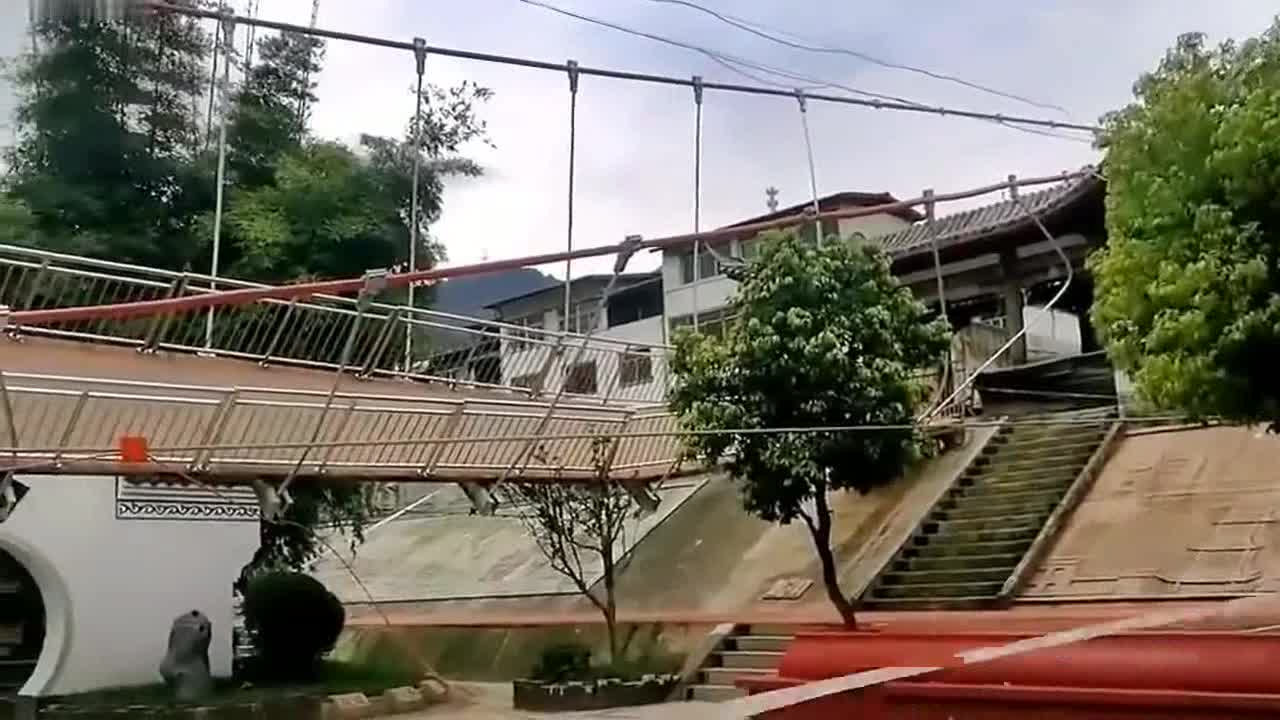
(622, 74)
(812, 83)
(724, 59)
(776, 36)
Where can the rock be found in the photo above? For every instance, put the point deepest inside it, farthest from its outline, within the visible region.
(404, 699)
(348, 706)
(185, 668)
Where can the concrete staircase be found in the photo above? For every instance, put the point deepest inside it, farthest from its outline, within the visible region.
(748, 651)
(975, 536)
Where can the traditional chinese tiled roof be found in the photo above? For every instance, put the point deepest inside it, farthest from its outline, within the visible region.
(993, 219)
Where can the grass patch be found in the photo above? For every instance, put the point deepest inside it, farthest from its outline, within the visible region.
(370, 677)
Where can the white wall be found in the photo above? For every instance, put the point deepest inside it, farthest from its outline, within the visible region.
(648, 332)
(680, 298)
(112, 586)
(871, 225)
(1051, 333)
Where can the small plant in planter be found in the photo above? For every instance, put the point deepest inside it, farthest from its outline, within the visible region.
(565, 680)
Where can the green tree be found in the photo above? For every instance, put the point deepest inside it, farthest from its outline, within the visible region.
(822, 336)
(265, 121)
(575, 526)
(107, 137)
(1187, 287)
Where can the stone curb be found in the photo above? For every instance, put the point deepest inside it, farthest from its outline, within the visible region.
(348, 706)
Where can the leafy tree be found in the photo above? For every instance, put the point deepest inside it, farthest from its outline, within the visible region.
(265, 120)
(107, 137)
(822, 336)
(1188, 287)
(574, 525)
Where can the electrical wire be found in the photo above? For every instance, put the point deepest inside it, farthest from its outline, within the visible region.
(724, 59)
(516, 61)
(774, 35)
(727, 60)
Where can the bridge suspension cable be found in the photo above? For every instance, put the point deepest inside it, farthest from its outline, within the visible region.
(876, 103)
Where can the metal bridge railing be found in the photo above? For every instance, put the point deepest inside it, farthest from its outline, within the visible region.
(75, 425)
(458, 350)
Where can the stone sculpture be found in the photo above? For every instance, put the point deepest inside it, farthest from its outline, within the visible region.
(185, 668)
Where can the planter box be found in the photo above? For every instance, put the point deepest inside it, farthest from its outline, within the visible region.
(591, 695)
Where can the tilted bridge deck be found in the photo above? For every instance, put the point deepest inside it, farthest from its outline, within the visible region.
(374, 429)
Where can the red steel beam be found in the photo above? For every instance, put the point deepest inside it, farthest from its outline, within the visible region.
(301, 291)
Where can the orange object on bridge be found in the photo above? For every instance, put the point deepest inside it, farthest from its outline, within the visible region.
(1202, 675)
(134, 449)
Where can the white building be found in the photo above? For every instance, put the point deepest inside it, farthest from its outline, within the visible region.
(93, 571)
(623, 360)
(703, 285)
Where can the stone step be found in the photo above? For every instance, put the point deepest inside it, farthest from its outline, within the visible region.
(978, 549)
(968, 602)
(728, 676)
(714, 693)
(992, 509)
(1009, 440)
(762, 643)
(753, 659)
(1004, 521)
(1048, 430)
(1003, 502)
(954, 563)
(1018, 452)
(946, 577)
(1024, 532)
(1008, 479)
(950, 590)
(983, 489)
(1009, 495)
(997, 464)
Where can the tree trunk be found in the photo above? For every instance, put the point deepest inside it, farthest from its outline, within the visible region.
(820, 529)
(610, 603)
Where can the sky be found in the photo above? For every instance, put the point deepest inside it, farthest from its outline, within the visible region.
(635, 142)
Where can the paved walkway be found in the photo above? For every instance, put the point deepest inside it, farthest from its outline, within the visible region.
(1030, 617)
(492, 701)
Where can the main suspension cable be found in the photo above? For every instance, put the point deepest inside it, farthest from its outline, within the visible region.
(620, 74)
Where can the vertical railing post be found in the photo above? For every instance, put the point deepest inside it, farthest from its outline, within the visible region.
(275, 338)
(67, 431)
(449, 431)
(160, 324)
(217, 424)
(11, 425)
(384, 339)
(337, 433)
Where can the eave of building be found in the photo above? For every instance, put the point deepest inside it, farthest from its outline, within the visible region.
(625, 281)
(1001, 226)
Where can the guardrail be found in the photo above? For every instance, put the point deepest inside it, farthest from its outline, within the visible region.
(458, 350)
(74, 425)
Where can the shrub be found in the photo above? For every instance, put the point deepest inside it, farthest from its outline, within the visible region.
(562, 663)
(294, 620)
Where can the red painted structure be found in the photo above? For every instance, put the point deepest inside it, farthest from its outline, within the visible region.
(1200, 675)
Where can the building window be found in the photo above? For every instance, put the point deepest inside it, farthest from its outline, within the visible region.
(580, 379)
(585, 317)
(533, 327)
(707, 265)
(635, 367)
(715, 323)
